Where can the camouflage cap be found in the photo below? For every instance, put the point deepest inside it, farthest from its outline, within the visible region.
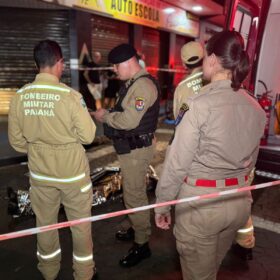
(192, 52)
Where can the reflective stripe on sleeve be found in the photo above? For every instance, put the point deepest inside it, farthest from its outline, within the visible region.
(194, 76)
(64, 180)
(83, 259)
(43, 87)
(246, 230)
(86, 188)
(46, 257)
(191, 78)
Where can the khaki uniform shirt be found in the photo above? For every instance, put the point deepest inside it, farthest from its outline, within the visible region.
(130, 118)
(188, 87)
(217, 138)
(49, 121)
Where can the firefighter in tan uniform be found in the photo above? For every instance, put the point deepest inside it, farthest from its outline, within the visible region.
(131, 126)
(49, 121)
(215, 147)
(191, 55)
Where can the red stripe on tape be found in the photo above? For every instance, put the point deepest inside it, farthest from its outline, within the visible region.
(209, 195)
(250, 188)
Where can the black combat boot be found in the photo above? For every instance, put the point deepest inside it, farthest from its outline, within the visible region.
(125, 235)
(136, 254)
(245, 254)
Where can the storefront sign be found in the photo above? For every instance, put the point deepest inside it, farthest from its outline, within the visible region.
(151, 13)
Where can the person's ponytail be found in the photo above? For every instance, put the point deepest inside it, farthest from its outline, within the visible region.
(228, 46)
(240, 70)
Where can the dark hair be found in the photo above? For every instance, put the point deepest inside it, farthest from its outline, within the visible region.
(192, 66)
(47, 53)
(228, 46)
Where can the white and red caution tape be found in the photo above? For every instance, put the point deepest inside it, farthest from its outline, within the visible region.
(148, 68)
(32, 231)
(92, 68)
(151, 68)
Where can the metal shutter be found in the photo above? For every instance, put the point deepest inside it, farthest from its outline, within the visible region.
(20, 30)
(151, 47)
(106, 34)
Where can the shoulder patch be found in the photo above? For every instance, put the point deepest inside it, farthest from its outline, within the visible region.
(183, 109)
(139, 103)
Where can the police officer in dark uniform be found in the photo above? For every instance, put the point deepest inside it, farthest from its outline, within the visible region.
(131, 126)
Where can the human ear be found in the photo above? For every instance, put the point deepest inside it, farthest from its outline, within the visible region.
(213, 59)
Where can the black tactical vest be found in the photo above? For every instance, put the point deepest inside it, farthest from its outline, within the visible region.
(148, 123)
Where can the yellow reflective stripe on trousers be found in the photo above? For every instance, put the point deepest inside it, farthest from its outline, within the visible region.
(52, 255)
(43, 87)
(52, 179)
(86, 188)
(246, 230)
(83, 259)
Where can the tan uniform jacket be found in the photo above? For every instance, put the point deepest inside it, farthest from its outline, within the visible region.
(49, 121)
(217, 138)
(186, 88)
(131, 117)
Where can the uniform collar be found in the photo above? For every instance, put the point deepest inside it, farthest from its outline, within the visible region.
(46, 77)
(193, 72)
(221, 84)
(197, 70)
(137, 75)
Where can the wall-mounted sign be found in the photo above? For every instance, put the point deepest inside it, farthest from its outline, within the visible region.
(151, 13)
